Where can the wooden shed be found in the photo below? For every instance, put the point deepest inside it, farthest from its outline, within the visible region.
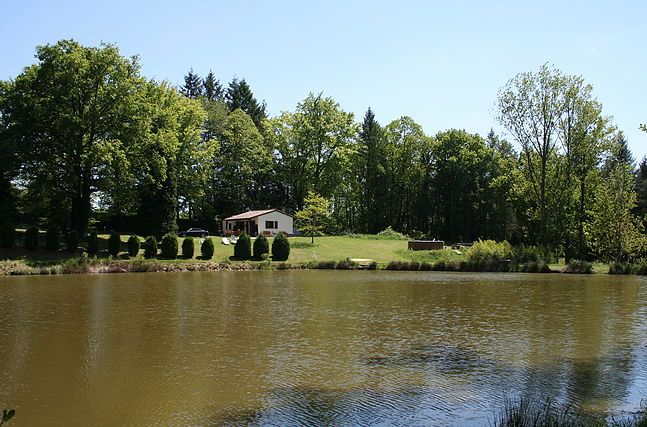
(426, 245)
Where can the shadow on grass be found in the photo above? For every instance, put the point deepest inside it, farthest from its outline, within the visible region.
(303, 245)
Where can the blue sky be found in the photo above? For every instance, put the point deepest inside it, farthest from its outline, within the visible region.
(442, 63)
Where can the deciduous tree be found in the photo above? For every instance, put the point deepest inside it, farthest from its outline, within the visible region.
(69, 114)
(616, 234)
(312, 218)
(313, 145)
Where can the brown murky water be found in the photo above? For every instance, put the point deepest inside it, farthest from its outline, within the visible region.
(315, 348)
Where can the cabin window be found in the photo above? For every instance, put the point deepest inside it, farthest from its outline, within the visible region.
(271, 225)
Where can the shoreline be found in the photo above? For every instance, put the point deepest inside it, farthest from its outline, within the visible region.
(85, 265)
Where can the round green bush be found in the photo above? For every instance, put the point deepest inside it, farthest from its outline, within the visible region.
(188, 247)
(31, 238)
(169, 246)
(53, 237)
(133, 246)
(150, 247)
(72, 241)
(7, 235)
(243, 247)
(114, 244)
(280, 248)
(261, 246)
(207, 248)
(93, 243)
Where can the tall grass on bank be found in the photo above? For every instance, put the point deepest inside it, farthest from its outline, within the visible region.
(526, 413)
(638, 267)
(579, 267)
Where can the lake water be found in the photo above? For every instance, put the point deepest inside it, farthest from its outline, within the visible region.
(315, 348)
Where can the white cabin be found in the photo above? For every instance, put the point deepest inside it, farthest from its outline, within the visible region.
(269, 222)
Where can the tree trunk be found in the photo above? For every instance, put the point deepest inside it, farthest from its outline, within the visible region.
(580, 248)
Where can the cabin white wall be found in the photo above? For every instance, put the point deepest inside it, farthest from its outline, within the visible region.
(285, 222)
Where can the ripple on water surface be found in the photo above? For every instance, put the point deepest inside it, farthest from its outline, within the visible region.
(315, 348)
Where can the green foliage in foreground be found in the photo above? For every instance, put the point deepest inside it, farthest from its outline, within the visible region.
(150, 247)
(188, 247)
(207, 248)
(280, 248)
(7, 415)
(525, 413)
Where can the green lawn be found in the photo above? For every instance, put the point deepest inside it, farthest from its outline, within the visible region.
(329, 248)
(337, 248)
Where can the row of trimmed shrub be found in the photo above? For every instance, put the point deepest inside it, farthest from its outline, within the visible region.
(168, 246)
(52, 239)
(280, 248)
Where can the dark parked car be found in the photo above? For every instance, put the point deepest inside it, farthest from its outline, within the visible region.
(195, 232)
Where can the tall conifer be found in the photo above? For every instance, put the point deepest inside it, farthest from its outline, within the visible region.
(211, 88)
(372, 152)
(192, 87)
(239, 95)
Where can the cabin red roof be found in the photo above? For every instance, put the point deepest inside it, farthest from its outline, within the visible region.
(252, 214)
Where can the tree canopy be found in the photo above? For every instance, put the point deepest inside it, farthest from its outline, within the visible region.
(86, 140)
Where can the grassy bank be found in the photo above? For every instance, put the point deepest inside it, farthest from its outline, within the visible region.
(331, 252)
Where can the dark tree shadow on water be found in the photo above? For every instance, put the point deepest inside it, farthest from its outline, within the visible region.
(306, 406)
(567, 383)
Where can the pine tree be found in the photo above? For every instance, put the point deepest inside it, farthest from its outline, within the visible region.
(239, 95)
(622, 155)
(192, 87)
(212, 90)
(372, 157)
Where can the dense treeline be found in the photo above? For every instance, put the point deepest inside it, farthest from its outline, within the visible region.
(84, 138)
